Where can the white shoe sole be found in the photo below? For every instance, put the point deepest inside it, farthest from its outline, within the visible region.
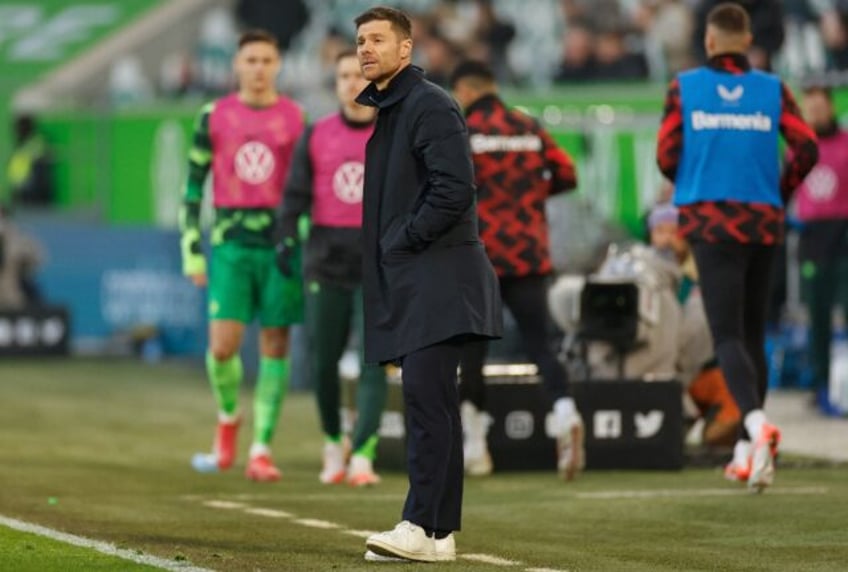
(372, 556)
(762, 470)
(336, 478)
(381, 548)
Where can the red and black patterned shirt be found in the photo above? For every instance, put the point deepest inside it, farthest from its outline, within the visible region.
(736, 221)
(517, 166)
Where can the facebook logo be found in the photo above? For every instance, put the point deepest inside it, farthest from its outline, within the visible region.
(607, 424)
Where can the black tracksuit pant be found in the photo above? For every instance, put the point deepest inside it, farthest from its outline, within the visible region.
(527, 300)
(434, 437)
(735, 281)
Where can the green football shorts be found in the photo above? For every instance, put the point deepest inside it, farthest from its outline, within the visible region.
(244, 283)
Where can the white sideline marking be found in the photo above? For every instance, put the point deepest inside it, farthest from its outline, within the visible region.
(676, 493)
(316, 523)
(269, 512)
(360, 533)
(489, 559)
(229, 505)
(100, 546)
(349, 497)
(327, 525)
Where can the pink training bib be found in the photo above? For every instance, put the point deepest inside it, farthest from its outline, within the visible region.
(252, 151)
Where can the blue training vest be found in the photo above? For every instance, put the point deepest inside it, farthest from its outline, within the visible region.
(730, 137)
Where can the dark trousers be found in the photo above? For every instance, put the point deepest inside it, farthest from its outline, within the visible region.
(824, 268)
(735, 280)
(331, 311)
(527, 300)
(433, 437)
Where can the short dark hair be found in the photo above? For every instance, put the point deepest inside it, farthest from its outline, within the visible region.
(472, 69)
(729, 17)
(258, 35)
(819, 89)
(345, 53)
(400, 22)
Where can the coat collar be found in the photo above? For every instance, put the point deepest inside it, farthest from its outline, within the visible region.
(398, 88)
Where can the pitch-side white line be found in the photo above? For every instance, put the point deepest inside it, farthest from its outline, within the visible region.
(230, 505)
(360, 533)
(343, 497)
(489, 559)
(100, 546)
(685, 493)
(327, 525)
(316, 523)
(269, 512)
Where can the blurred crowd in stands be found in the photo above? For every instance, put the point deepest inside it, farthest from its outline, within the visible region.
(534, 43)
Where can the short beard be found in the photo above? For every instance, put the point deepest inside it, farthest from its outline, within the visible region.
(387, 75)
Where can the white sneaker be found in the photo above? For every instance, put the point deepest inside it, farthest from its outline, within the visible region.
(475, 425)
(763, 453)
(446, 548)
(333, 470)
(445, 552)
(407, 541)
(570, 435)
(371, 556)
(480, 464)
(360, 472)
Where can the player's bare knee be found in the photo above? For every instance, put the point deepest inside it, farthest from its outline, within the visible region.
(274, 342)
(223, 352)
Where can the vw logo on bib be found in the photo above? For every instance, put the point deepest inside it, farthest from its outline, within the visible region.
(254, 162)
(822, 184)
(348, 181)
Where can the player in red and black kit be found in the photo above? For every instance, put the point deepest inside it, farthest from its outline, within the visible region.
(517, 167)
(718, 142)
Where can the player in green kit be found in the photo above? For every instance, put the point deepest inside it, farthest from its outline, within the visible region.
(246, 140)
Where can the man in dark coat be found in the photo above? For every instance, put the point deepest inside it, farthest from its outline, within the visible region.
(428, 285)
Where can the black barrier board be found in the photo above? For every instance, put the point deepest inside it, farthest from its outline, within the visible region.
(37, 331)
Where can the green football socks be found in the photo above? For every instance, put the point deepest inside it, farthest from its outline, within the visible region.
(271, 388)
(225, 377)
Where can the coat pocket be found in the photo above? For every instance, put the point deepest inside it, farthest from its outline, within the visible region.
(394, 243)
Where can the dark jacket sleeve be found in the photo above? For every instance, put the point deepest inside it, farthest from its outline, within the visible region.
(802, 142)
(440, 139)
(297, 195)
(563, 172)
(670, 136)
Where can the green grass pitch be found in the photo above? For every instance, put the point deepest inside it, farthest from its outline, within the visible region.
(101, 449)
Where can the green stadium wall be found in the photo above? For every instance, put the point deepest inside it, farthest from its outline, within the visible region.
(129, 167)
(38, 36)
